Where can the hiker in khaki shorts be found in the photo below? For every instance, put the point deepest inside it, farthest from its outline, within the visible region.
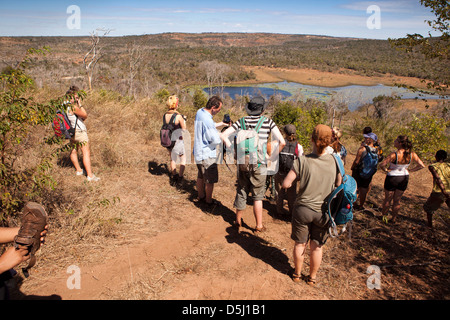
(254, 180)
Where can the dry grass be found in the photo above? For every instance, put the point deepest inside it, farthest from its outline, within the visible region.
(130, 213)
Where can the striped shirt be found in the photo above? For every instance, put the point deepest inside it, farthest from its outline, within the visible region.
(251, 122)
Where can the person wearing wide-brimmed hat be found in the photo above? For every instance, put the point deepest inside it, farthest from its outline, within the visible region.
(317, 177)
(254, 180)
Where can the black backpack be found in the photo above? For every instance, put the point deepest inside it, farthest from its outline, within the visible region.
(287, 157)
(166, 132)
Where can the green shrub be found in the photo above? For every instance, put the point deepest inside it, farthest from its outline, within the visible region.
(23, 176)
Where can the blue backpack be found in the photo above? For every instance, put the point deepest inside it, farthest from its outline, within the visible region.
(369, 164)
(340, 201)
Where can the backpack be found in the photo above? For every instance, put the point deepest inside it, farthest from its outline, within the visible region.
(62, 126)
(247, 145)
(166, 131)
(287, 157)
(380, 152)
(340, 201)
(369, 164)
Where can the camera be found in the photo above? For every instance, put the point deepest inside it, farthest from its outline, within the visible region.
(226, 119)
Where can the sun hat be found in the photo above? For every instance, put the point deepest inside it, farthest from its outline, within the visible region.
(371, 135)
(256, 106)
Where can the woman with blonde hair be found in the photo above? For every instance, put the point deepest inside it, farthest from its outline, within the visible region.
(317, 176)
(397, 174)
(177, 151)
(337, 146)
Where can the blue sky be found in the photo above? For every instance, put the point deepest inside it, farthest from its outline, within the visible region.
(340, 18)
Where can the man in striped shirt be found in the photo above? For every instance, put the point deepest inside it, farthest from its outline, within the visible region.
(254, 180)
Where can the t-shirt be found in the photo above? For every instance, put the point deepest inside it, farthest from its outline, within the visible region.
(317, 177)
(443, 171)
(73, 119)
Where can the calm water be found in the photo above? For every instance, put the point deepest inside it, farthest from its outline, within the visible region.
(354, 95)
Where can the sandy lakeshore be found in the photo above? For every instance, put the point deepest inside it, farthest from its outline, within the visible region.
(328, 79)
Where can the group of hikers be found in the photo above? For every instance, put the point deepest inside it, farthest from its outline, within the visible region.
(305, 181)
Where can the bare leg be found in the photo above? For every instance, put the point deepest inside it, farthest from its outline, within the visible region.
(74, 159)
(299, 257)
(200, 188)
(257, 211)
(209, 187)
(387, 201)
(396, 204)
(239, 216)
(86, 158)
(362, 196)
(315, 259)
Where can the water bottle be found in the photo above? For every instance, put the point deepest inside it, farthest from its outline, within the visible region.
(344, 215)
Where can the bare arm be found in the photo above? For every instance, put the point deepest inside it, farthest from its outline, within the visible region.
(224, 136)
(290, 177)
(357, 158)
(438, 181)
(419, 163)
(385, 164)
(8, 234)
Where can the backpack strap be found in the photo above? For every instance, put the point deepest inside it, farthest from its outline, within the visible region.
(339, 164)
(260, 123)
(333, 228)
(172, 119)
(242, 121)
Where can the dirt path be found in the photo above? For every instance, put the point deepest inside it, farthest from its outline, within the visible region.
(176, 250)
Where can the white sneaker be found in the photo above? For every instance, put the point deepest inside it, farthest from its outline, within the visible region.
(93, 178)
(80, 173)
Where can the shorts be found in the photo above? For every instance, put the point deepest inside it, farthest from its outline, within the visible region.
(80, 137)
(208, 171)
(177, 150)
(361, 182)
(308, 224)
(252, 181)
(392, 183)
(434, 202)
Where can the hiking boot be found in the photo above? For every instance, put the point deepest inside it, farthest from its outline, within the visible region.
(93, 178)
(173, 179)
(33, 222)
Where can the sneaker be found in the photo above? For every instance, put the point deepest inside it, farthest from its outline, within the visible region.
(33, 222)
(93, 178)
(80, 173)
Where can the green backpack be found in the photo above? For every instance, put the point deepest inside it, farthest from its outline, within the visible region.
(247, 145)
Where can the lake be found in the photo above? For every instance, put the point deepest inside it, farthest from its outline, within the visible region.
(354, 95)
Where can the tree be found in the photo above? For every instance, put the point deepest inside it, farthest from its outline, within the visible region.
(200, 99)
(19, 116)
(215, 74)
(135, 57)
(431, 47)
(94, 54)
